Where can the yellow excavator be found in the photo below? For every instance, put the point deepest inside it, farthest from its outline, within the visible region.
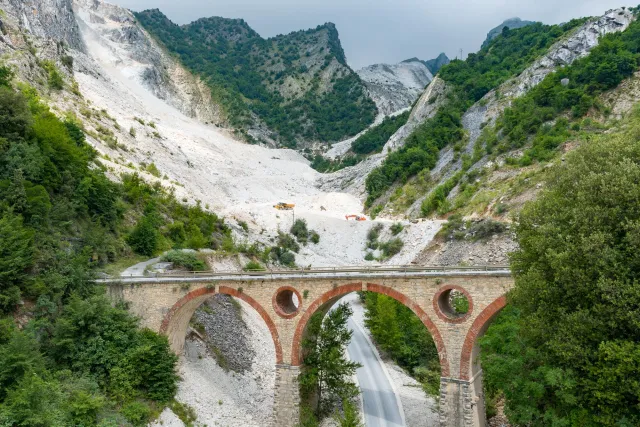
(284, 206)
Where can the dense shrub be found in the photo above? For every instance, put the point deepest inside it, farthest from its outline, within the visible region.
(185, 259)
(396, 228)
(392, 247)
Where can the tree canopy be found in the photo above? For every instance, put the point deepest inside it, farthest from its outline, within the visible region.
(568, 352)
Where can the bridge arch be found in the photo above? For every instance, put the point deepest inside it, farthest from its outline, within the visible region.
(469, 365)
(176, 321)
(325, 301)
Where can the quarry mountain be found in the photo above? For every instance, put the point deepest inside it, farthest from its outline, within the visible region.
(130, 145)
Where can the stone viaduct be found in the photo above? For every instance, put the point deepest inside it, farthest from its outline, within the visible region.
(286, 301)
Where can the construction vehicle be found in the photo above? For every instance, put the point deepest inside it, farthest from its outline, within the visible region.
(356, 217)
(284, 206)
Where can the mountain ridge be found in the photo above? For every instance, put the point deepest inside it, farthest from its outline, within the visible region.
(290, 89)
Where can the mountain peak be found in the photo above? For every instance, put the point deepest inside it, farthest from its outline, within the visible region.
(511, 23)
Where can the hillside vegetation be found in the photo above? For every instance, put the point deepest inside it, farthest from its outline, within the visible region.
(370, 142)
(567, 349)
(76, 359)
(469, 80)
(298, 85)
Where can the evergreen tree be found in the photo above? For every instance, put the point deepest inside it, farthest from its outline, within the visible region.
(327, 373)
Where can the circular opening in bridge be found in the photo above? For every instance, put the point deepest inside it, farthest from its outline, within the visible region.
(453, 304)
(286, 302)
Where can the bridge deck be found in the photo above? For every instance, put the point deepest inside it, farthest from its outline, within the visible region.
(312, 273)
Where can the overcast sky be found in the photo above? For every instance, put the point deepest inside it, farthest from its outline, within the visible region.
(374, 31)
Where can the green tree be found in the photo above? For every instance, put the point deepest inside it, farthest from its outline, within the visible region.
(144, 237)
(327, 372)
(573, 351)
(16, 257)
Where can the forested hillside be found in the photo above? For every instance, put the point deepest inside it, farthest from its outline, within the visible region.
(469, 80)
(76, 359)
(567, 349)
(564, 350)
(298, 85)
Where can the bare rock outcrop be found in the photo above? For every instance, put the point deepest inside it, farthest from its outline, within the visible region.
(47, 19)
(116, 39)
(395, 87)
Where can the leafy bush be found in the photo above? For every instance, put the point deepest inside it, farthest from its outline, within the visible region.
(486, 228)
(185, 259)
(392, 247)
(314, 237)
(282, 256)
(374, 232)
(300, 231)
(144, 237)
(396, 228)
(253, 266)
(286, 241)
(55, 79)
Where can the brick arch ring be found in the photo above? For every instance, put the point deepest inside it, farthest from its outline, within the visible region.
(235, 293)
(477, 328)
(345, 289)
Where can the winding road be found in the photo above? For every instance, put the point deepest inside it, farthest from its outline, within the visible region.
(381, 405)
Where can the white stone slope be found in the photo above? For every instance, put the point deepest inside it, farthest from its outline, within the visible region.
(226, 398)
(395, 87)
(237, 180)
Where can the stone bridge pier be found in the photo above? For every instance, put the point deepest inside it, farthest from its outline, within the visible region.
(287, 301)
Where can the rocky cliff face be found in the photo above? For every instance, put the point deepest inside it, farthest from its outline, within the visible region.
(395, 87)
(435, 64)
(47, 19)
(115, 39)
(485, 112)
(564, 52)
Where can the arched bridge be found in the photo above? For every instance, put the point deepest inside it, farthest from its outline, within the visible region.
(287, 299)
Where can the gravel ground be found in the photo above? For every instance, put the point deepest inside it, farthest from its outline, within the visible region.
(223, 397)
